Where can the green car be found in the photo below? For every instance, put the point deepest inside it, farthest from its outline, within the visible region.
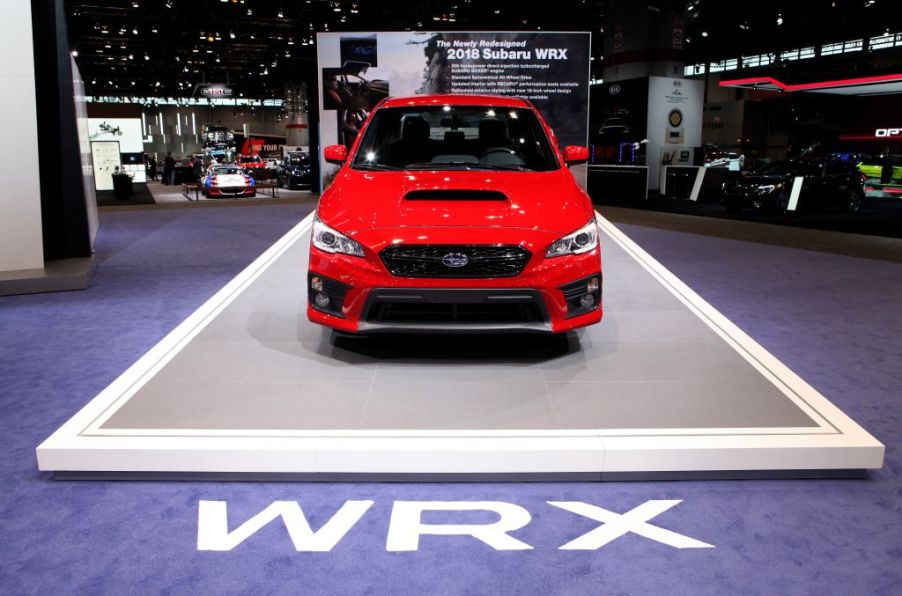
(873, 167)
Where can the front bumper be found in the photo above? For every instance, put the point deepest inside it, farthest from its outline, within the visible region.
(221, 191)
(540, 299)
(297, 180)
(750, 200)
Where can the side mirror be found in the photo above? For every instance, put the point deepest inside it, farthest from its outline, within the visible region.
(575, 154)
(336, 154)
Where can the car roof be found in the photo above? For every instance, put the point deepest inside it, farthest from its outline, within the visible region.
(456, 100)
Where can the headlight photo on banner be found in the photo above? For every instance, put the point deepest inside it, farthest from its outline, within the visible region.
(360, 69)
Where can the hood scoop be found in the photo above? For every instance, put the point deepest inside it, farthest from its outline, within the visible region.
(455, 195)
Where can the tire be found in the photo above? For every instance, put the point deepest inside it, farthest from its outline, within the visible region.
(853, 201)
(779, 205)
(733, 206)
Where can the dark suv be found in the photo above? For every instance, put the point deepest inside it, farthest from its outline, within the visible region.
(824, 183)
(294, 171)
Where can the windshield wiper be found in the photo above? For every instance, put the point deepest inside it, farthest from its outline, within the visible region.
(440, 165)
(464, 166)
(504, 166)
(375, 166)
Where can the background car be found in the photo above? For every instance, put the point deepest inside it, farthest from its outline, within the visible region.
(720, 159)
(826, 182)
(294, 171)
(872, 167)
(228, 181)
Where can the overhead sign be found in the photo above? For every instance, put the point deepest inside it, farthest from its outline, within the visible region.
(214, 90)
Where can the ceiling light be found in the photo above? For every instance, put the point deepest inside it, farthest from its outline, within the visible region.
(779, 19)
(704, 34)
(74, 53)
(231, 34)
(146, 56)
(280, 14)
(168, 3)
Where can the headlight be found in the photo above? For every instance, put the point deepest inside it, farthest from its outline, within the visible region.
(329, 240)
(766, 188)
(578, 242)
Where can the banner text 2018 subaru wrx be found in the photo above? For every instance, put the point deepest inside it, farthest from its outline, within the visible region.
(455, 213)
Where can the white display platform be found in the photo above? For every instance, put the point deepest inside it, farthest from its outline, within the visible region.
(115, 433)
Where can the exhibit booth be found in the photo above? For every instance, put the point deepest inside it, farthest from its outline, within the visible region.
(665, 387)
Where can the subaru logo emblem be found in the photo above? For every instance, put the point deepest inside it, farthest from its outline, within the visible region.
(455, 259)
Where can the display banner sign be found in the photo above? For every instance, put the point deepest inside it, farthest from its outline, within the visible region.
(674, 125)
(128, 133)
(106, 158)
(359, 69)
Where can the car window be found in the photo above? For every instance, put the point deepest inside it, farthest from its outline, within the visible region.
(836, 168)
(227, 170)
(455, 137)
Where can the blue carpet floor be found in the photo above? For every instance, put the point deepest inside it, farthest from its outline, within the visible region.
(837, 321)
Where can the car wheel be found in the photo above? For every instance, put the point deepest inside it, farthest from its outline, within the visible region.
(853, 201)
(779, 204)
(733, 206)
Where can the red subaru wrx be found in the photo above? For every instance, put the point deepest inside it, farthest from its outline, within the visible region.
(454, 213)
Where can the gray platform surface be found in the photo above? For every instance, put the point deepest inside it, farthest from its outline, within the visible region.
(651, 364)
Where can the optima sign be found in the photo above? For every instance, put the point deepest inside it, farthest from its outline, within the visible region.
(407, 525)
(888, 132)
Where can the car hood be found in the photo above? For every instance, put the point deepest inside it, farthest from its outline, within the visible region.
(229, 179)
(365, 200)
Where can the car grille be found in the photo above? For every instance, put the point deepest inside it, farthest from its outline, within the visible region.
(475, 306)
(483, 260)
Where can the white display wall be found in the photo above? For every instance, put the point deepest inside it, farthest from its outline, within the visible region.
(21, 236)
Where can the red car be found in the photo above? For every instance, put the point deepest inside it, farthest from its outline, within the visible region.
(455, 213)
(228, 181)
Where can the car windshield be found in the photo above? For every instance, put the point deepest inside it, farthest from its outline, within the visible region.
(455, 137)
(227, 170)
(298, 160)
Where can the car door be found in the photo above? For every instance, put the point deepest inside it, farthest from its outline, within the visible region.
(837, 181)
